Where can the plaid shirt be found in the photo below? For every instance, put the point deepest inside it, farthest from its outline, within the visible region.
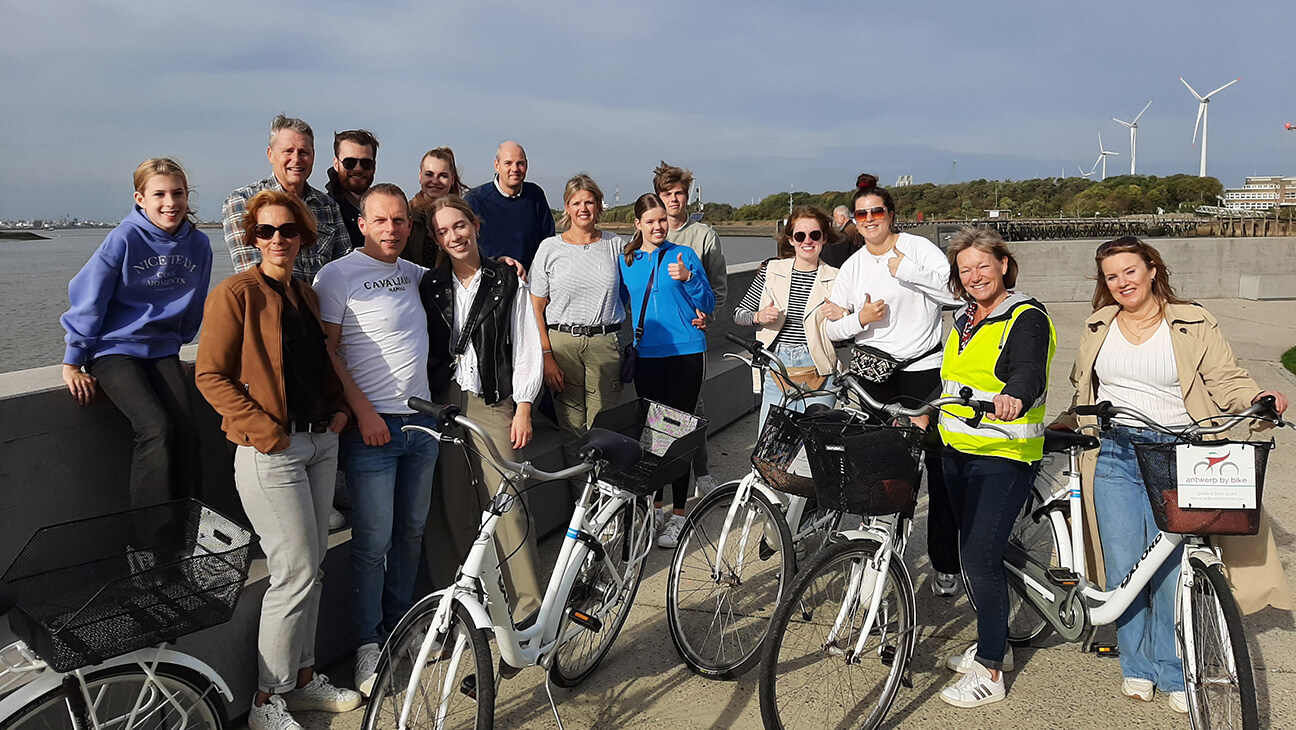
(333, 241)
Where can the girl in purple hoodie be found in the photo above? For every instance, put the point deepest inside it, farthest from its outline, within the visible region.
(135, 302)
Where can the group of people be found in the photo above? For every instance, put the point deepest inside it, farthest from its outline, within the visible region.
(345, 304)
(1144, 347)
(348, 302)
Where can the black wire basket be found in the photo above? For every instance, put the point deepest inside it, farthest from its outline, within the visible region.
(862, 468)
(92, 589)
(669, 438)
(779, 449)
(1158, 464)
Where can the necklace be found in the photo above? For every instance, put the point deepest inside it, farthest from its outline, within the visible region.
(890, 244)
(1140, 330)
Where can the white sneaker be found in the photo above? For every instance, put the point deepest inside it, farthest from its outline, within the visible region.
(1136, 688)
(273, 715)
(975, 688)
(945, 584)
(1179, 702)
(964, 660)
(669, 537)
(337, 520)
(320, 696)
(705, 484)
(366, 668)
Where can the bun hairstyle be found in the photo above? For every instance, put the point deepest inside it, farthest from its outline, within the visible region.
(867, 184)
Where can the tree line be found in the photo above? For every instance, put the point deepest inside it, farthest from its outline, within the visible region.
(1050, 197)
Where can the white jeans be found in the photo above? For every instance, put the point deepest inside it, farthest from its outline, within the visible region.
(288, 495)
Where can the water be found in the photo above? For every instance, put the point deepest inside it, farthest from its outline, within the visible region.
(33, 289)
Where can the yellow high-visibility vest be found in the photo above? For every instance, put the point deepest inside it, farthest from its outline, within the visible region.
(974, 367)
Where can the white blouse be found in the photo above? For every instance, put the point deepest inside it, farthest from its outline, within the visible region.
(1144, 377)
(528, 360)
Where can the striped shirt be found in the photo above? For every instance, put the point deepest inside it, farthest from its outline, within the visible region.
(793, 330)
(582, 282)
(332, 242)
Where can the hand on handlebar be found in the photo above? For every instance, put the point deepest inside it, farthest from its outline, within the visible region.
(1279, 400)
(1007, 408)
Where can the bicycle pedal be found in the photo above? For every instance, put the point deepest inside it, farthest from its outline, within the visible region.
(888, 655)
(765, 552)
(1107, 650)
(468, 687)
(1063, 578)
(584, 620)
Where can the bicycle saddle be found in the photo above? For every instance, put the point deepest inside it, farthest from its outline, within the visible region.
(1055, 441)
(7, 598)
(621, 452)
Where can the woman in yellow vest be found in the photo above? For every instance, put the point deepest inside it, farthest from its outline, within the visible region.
(1000, 348)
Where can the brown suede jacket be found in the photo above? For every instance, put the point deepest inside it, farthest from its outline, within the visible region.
(240, 359)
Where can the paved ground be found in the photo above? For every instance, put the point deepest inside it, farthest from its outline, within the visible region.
(642, 684)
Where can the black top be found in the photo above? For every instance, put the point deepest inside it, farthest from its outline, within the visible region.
(1023, 361)
(305, 361)
(350, 213)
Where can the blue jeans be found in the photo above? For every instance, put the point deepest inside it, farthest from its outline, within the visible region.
(792, 356)
(391, 488)
(987, 494)
(1146, 631)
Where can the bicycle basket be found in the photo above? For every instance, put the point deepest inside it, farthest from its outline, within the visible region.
(777, 451)
(92, 589)
(864, 469)
(669, 438)
(1159, 467)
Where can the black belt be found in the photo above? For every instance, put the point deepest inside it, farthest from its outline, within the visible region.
(586, 330)
(302, 425)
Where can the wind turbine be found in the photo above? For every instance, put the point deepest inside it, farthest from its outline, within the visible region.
(1102, 157)
(1203, 115)
(1133, 128)
(1092, 170)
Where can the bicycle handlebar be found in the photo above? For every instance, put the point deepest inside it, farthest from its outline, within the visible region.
(759, 352)
(1263, 409)
(450, 415)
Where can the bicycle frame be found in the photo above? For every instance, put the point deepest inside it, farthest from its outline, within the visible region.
(891, 532)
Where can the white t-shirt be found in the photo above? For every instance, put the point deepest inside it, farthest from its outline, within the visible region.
(1144, 377)
(384, 341)
(914, 296)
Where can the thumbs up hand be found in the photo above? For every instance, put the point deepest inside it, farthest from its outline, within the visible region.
(872, 311)
(679, 271)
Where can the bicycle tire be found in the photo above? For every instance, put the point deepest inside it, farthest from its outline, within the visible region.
(718, 625)
(1025, 625)
(806, 680)
(627, 533)
(116, 690)
(1218, 676)
(468, 669)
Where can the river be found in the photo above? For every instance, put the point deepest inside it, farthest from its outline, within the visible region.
(33, 290)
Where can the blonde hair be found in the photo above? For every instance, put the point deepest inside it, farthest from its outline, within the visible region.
(581, 183)
(985, 240)
(154, 166)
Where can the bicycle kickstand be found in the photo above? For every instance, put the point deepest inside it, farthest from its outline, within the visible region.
(552, 705)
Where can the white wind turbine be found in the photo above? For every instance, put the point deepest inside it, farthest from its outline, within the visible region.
(1203, 114)
(1133, 128)
(1102, 156)
(1086, 175)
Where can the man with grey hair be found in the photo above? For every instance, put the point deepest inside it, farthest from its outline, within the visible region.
(515, 214)
(847, 241)
(291, 153)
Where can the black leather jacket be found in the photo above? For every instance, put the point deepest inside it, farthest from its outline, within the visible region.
(492, 336)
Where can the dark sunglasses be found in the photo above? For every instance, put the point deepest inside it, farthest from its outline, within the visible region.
(1122, 242)
(266, 232)
(864, 215)
(800, 236)
(365, 163)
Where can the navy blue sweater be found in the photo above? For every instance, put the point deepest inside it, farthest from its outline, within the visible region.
(511, 226)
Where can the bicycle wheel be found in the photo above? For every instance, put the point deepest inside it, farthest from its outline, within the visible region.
(1217, 667)
(807, 678)
(718, 606)
(1038, 540)
(455, 688)
(114, 692)
(626, 538)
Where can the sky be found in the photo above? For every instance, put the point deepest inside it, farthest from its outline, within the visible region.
(755, 97)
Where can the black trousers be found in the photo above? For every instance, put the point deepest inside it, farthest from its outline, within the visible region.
(674, 381)
(154, 397)
(909, 387)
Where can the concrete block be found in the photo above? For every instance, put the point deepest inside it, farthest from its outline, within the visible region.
(1267, 286)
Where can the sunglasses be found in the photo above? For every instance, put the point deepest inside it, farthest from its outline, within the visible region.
(266, 232)
(864, 215)
(800, 236)
(365, 163)
(1122, 242)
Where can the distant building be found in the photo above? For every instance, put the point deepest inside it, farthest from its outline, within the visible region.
(1262, 193)
(999, 214)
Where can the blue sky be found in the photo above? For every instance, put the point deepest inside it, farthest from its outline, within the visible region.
(753, 96)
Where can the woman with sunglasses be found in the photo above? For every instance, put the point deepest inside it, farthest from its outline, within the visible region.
(887, 301)
(1147, 348)
(263, 366)
(783, 303)
(438, 177)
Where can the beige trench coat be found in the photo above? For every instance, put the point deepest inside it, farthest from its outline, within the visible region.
(1211, 381)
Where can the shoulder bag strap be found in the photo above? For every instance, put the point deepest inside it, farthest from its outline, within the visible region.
(643, 307)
